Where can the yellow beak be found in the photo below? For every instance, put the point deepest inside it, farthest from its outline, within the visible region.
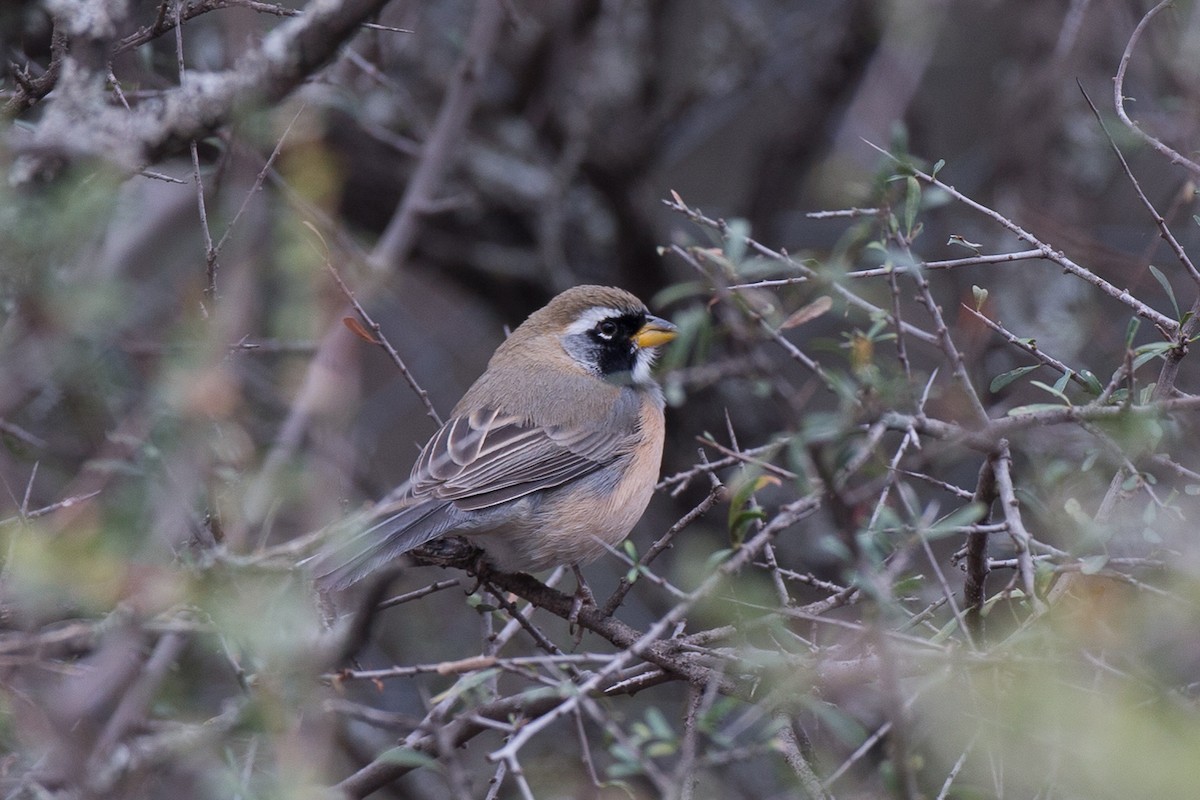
(655, 332)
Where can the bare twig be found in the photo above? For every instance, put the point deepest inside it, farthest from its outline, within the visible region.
(381, 340)
(1119, 93)
(677, 204)
(17, 432)
(258, 182)
(441, 146)
(1159, 221)
(1165, 323)
(974, 594)
(1002, 469)
(954, 263)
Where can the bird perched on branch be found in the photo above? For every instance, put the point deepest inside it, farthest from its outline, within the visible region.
(549, 457)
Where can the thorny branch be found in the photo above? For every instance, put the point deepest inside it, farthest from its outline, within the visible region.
(829, 593)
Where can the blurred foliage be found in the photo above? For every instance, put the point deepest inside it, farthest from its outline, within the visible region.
(168, 453)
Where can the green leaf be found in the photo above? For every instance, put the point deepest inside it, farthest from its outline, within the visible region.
(1131, 331)
(1061, 384)
(945, 632)
(981, 296)
(821, 426)
(661, 749)
(937, 167)
(407, 757)
(716, 558)
(912, 203)
(1093, 383)
(962, 241)
(842, 726)
(467, 683)
(967, 515)
(1075, 511)
(1090, 565)
(1148, 352)
(1166, 285)
(1005, 378)
(680, 291)
(741, 523)
(735, 242)
(1034, 408)
(659, 725)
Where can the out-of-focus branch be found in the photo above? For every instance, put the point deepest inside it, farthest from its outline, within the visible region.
(393, 247)
(439, 149)
(987, 437)
(78, 122)
(976, 553)
(1119, 93)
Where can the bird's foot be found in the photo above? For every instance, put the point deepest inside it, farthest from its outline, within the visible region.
(583, 597)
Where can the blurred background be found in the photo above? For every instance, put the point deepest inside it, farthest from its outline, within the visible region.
(174, 365)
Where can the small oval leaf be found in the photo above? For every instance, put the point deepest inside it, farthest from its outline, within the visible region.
(1005, 378)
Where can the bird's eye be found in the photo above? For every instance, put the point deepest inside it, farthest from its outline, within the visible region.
(607, 329)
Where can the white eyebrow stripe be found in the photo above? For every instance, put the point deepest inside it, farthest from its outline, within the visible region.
(593, 317)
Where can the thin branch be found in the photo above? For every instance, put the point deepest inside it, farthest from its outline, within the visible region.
(1119, 93)
(954, 263)
(286, 57)
(794, 756)
(987, 437)
(1159, 221)
(677, 204)
(774, 333)
(50, 509)
(1011, 507)
(786, 517)
(974, 593)
(1028, 347)
(662, 543)
(17, 432)
(258, 182)
(381, 340)
(441, 147)
(1168, 325)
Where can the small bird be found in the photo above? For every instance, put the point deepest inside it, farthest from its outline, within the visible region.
(550, 457)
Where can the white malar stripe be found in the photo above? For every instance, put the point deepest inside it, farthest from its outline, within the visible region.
(642, 363)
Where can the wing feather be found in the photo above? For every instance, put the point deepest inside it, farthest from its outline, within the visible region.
(486, 458)
(475, 461)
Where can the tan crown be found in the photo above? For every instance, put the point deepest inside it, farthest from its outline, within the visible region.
(568, 306)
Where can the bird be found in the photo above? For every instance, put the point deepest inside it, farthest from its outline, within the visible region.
(550, 457)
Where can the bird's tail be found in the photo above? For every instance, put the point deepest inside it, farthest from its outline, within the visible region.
(387, 534)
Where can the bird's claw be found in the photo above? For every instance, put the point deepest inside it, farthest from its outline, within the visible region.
(583, 597)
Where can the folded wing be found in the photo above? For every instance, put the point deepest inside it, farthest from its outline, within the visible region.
(474, 465)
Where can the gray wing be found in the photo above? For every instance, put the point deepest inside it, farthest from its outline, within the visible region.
(485, 459)
(473, 463)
